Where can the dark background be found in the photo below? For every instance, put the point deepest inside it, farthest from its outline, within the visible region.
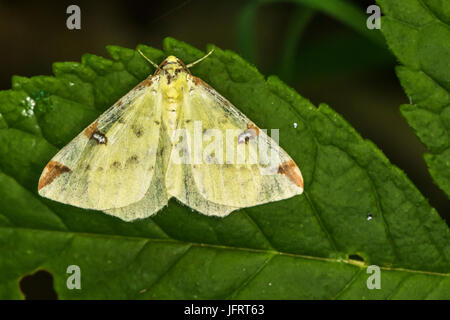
(332, 63)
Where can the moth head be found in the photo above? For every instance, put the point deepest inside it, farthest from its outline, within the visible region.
(172, 59)
(172, 65)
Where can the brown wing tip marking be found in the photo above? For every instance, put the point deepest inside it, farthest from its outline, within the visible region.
(51, 171)
(89, 131)
(290, 169)
(145, 83)
(200, 82)
(251, 126)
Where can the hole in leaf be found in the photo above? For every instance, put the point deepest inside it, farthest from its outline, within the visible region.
(356, 257)
(38, 286)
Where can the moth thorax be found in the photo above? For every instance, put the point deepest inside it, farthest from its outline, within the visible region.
(172, 93)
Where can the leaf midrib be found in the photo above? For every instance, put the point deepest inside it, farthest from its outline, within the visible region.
(224, 247)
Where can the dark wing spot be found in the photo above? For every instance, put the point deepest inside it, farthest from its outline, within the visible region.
(137, 130)
(211, 158)
(116, 165)
(132, 160)
(251, 133)
(99, 137)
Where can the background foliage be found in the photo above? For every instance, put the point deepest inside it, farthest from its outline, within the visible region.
(419, 38)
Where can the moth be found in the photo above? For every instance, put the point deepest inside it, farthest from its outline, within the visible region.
(131, 160)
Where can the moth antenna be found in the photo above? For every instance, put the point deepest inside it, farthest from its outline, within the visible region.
(202, 58)
(152, 63)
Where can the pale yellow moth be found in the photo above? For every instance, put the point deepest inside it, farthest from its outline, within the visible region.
(127, 162)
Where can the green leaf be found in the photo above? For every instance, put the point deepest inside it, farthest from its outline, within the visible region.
(418, 33)
(309, 246)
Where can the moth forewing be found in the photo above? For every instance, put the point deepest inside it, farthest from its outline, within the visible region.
(109, 163)
(241, 180)
(168, 137)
